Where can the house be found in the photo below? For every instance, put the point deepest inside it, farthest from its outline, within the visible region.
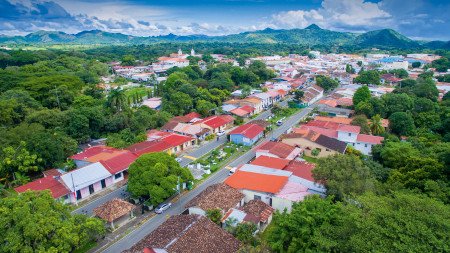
(194, 131)
(260, 210)
(311, 95)
(49, 182)
(345, 133)
(153, 103)
(271, 162)
(278, 150)
(247, 134)
(310, 140)
(119, 164)
(217, 196)
(243, 111)
(216, 123)
(188, 118)
(162, 142)
(116, 211)
(335, 111)
(254, 102)
(265, 98)
(270, 186)
(186, 234)
(85, 181)
(95, 154)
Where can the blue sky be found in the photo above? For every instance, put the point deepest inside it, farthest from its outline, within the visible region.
(418, 19)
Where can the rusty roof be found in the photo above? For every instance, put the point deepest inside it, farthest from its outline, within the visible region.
(215, 196)
(113, 209)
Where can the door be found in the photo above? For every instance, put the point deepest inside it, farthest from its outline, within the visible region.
(91, 189)
(78, 194)
(103, 182)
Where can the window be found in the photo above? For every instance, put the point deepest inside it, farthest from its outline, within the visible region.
(365, 145)
(257, 197)
(349, 134)
(118, 175)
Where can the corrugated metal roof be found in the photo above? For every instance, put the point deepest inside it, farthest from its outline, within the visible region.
(85, 176)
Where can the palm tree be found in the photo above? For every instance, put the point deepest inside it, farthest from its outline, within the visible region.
(117, 100)
(375, 125)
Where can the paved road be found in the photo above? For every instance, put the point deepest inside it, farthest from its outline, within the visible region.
(178, 207)
(197, 153)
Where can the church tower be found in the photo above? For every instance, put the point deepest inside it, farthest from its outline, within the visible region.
(192, 52)
(179, 51)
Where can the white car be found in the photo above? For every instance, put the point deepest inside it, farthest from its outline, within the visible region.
(220, 133)
(162, 207)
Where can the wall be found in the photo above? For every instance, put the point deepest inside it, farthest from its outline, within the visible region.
(365, 148)
(250, 195)
(281, 204)
(308, 146)
(347, 137)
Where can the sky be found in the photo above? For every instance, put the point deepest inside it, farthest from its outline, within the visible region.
(417, 19)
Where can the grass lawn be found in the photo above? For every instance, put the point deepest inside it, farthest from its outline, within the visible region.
(141, 91)
(86, 247)
(310, 159)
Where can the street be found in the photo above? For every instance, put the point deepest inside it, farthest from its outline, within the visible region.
(197, 153)
(178, 207)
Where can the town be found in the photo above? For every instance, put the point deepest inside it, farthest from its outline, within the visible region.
(219, 148)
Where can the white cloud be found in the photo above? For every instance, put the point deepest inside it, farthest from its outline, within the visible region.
(335, 14)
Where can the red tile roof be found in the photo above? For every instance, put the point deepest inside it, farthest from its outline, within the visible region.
(149, 147)
(329, 102)
(119, 163)
(349, 128)
(239, 112)
(216, 121)
(280, 149)
(56, 188)
(334, 119)
(176, 139)
(301, 169)
(372, 139)
(256, 182)
(96, 153)
(271, 162)
(323, 124)
(248, 130)
(248, 108)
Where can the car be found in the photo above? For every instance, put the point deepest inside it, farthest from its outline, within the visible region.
(232, 171)
(220, 133)
(279, 123)
(178, 159)
(162, 207)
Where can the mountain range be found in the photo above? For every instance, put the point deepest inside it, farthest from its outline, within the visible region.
(312, 35)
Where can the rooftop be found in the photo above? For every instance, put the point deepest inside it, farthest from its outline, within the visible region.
(56, 188)
(216, 121)
(215, 196)
(96, 153)
(248, 130)
(301, 169)
(349, 128)
(119, 163)
(187, 234)
(258, 209)
(85, 176)
(282, 150)
(113, 209)
(256, 181)
(271, 162)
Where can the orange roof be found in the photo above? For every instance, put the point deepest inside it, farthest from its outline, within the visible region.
(339, 120)
(329, 102)
(271, 162)
(256, 182)
(105, 156)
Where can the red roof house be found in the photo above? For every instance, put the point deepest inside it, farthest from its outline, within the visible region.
(301, 169)
(51, 183)
(119, 163)
(270, 162)
(278, 149)
(256, 181)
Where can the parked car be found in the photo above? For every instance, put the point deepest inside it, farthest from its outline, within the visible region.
(162, 207)
(279, 123)
(232, 171)
(220, 133)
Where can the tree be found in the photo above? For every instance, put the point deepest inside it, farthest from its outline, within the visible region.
(298, 95)
(389, 223)
(426, 88)
(401, 123)
(204, 107)
(416, 64)
(156, 176)
(35, 222)
(17, 162)
(215, 215)
(394, 154)
(128, 60)
(364, 108)
(244, 232)
(361, 121)
(397, 103)
(362, 94)
(368, 77)
(326, 82)
(376, 126)
(400, 73)
(295, 232)
(117, 100)
(349, 69)
(343, 175)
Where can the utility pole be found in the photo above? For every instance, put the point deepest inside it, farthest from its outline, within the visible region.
(73, 187)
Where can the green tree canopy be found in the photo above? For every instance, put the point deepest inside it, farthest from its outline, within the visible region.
(155, 176)
(343, 175)
(368, 77)
(401, 123)
(362, 94)
(35, 222)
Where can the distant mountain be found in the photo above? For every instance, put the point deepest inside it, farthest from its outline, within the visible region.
(312, 35)
(386, 38)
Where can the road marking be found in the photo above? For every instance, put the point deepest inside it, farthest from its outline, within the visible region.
(190, 157)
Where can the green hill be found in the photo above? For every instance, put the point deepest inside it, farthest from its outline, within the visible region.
(312, 35)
